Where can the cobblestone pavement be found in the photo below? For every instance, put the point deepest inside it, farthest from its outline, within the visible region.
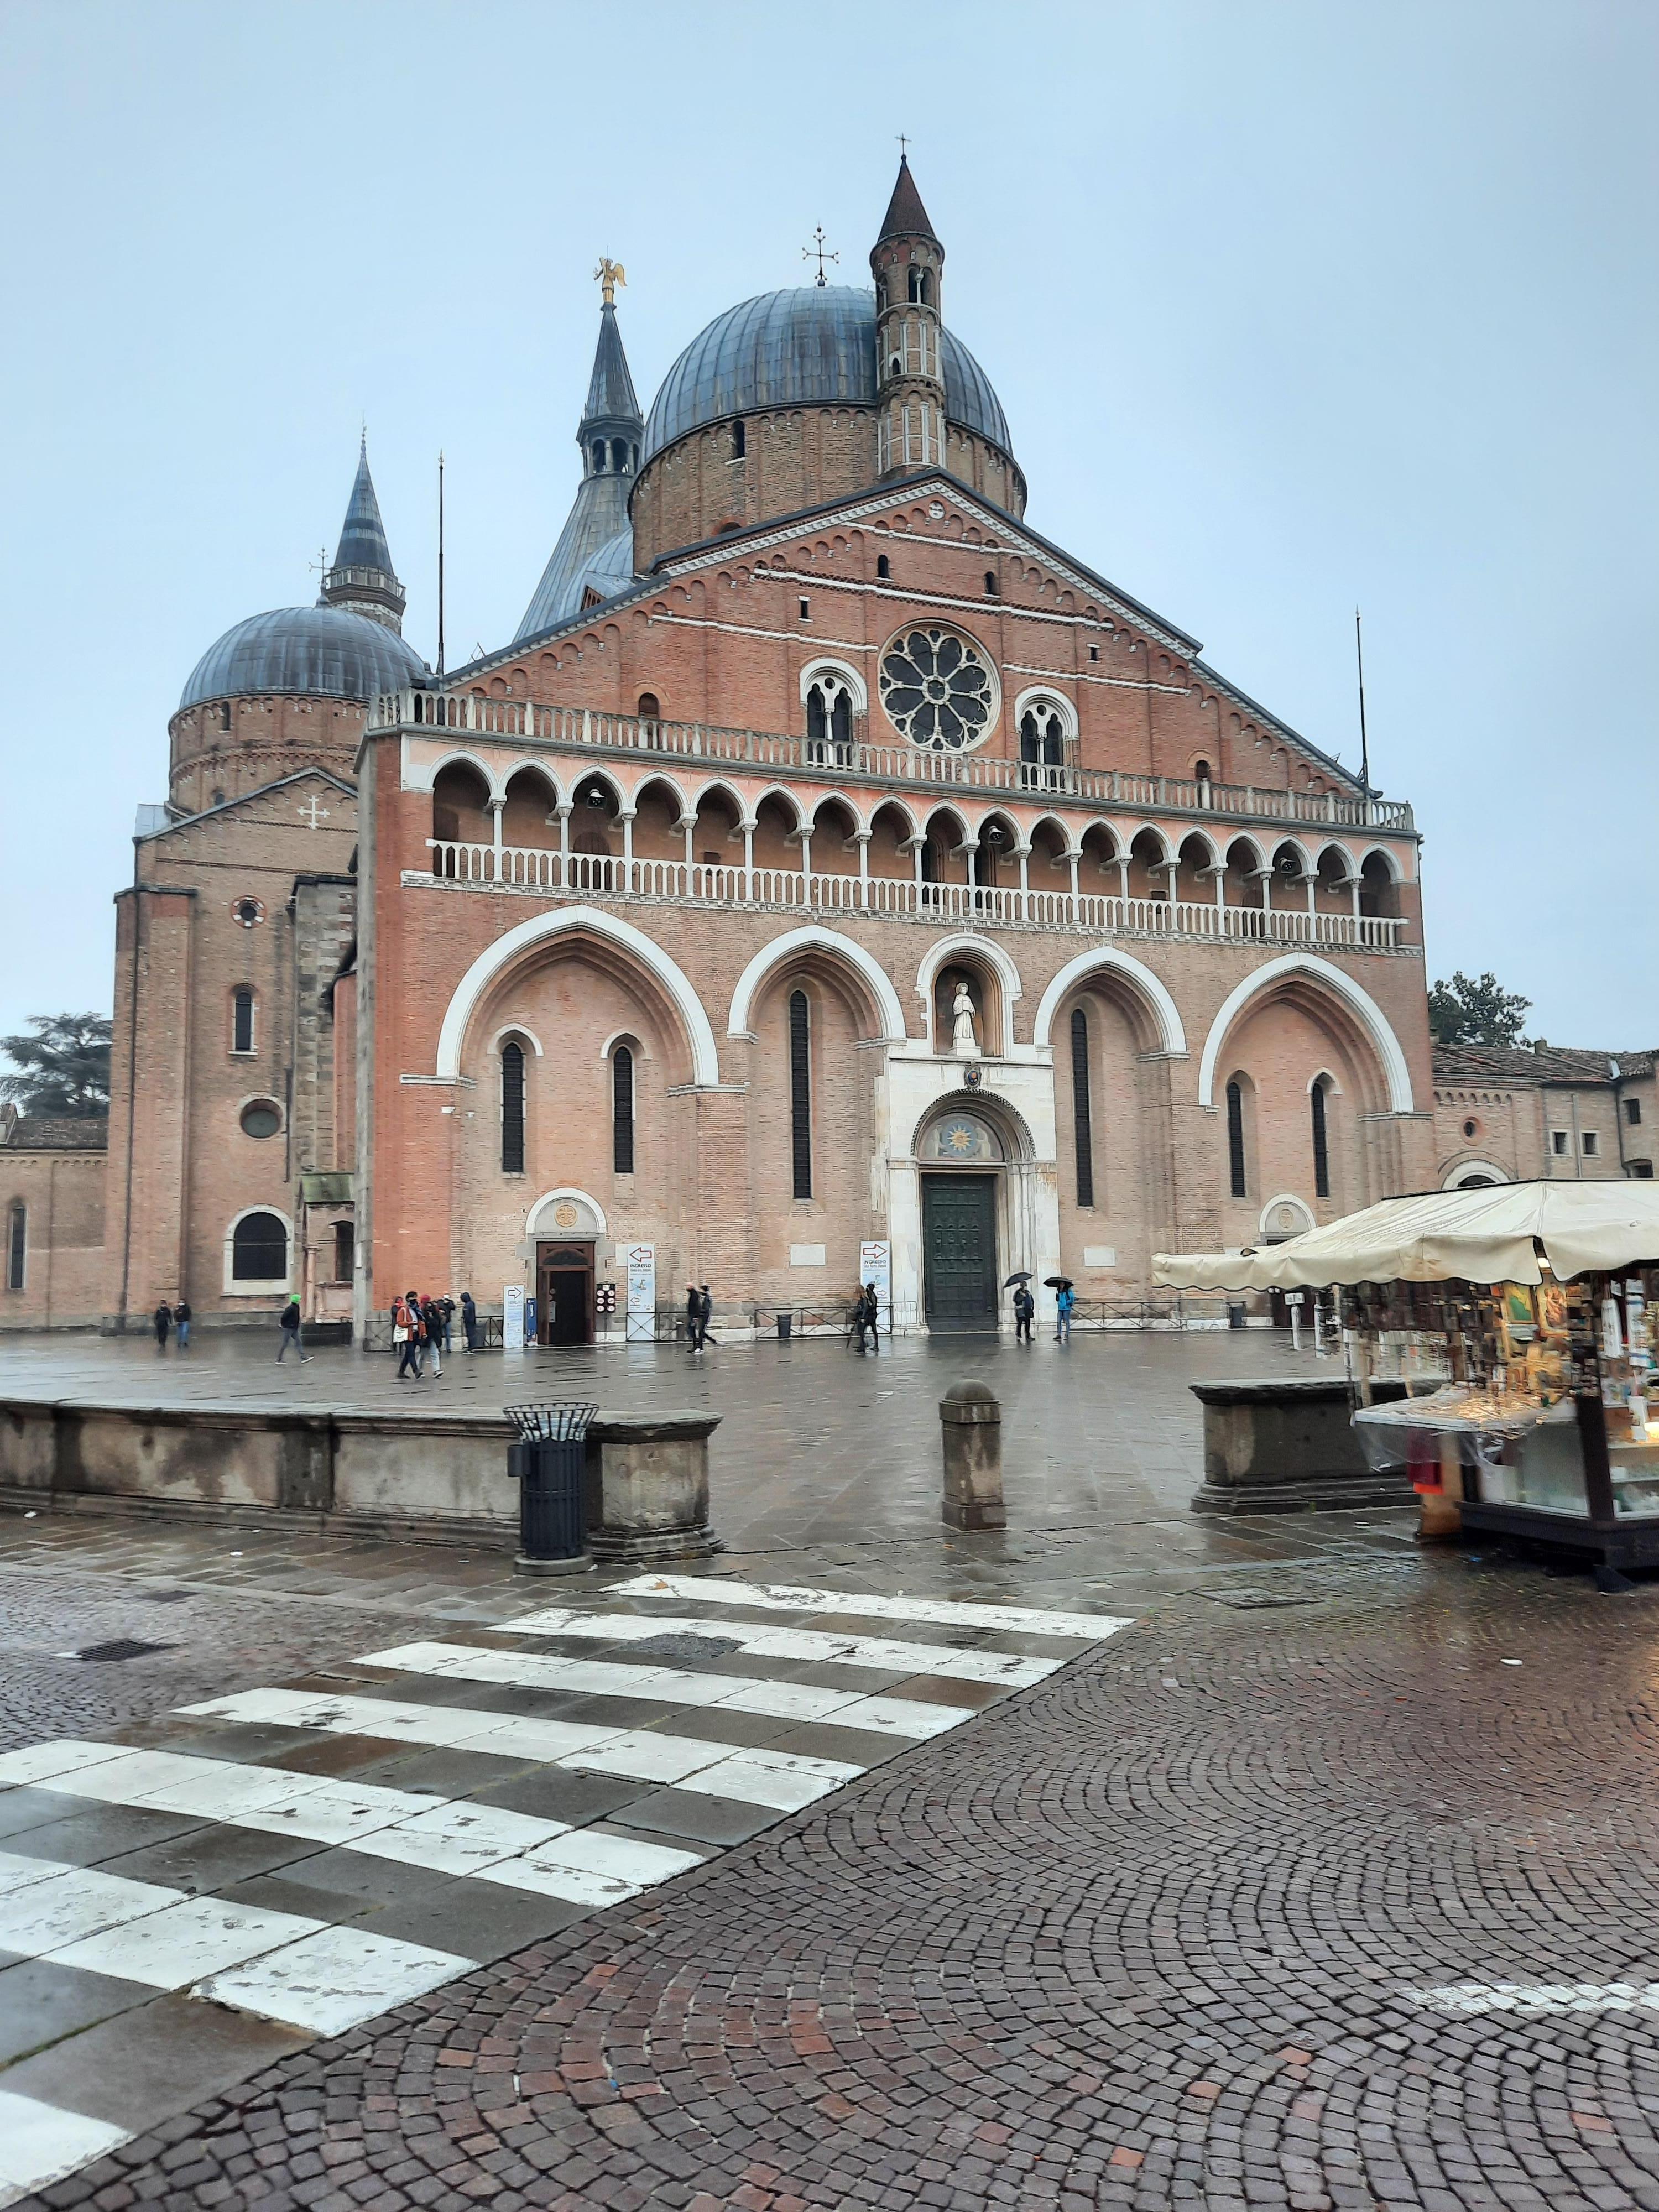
(1347, 1902)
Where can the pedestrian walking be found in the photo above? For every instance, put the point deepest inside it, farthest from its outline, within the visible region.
(693, 1318)
(468, 1320)
(432, 1333)
(181, 1320)
(404, 1337)
(291, 1325)
(705, 1315)
(1024, 1307)
(162, 1320)
(867, 1315)
(417, 1331)
(1065, 1299)
(447, 1307)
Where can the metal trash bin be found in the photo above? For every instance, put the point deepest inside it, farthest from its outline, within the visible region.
(1235, 1315)
(785, 1323)
(549, 1464)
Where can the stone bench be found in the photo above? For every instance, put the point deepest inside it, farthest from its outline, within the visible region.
(1287, 1445)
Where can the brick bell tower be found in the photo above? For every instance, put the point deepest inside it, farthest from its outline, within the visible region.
(908, 262)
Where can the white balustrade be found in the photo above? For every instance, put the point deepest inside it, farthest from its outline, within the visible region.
(523, 722)
(519, 867)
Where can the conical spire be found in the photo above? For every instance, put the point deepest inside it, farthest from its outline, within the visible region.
(906, 216)
(595, 551)
(363, 579)
(611, 395)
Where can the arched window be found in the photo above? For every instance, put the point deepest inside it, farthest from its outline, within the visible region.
(258, 1249)
(884, 567)
(917, 281)
(829, 720)
(241, 1019)
(1236, 1140)
(619, 455)
(1041, 745)
(739, 439)
(990, 583)
(512, 1108)
(17, 1244)
(1201, 772)
(599, 456)
(1322, 1151)
(801, 1096)
(650, 706)
(1080, 1121)
(622, 1110)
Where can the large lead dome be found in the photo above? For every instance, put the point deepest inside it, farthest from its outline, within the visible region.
(317, 653)
(810, 346)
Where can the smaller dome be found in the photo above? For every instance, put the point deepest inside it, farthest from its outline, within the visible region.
(316, 653)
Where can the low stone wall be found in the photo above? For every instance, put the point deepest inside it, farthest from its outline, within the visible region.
(1287, 1445)
(422, 1476)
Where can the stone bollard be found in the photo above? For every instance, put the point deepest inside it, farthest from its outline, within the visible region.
(970, 1423)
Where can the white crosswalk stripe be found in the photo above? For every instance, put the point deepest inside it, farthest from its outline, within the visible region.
(1006, 1670)
(469, 1868)
(775, 1597)
(804, 1701)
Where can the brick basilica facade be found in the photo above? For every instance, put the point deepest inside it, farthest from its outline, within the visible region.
(830, 862)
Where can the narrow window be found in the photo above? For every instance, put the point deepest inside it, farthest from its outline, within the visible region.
(1633, 1113)
(1201, 772)
(739, 441)
(1320, 1144)
(17, 1245)
(241, 1019)
(800, 1096)
(619, 455)
(806, 610)
(622, 1110)
(1236, 1139)
(1558, 1142)
(1086, 1150)
(1592, 1144)
(512, 1109)
(990, 583)
(1094, 653)
(346, 1250)
(884, 567)
(650, 708)
(224, 715)
(599, 456)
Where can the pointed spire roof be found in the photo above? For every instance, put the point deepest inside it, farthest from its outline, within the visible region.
(906, 216)
(363, 579)
(610, 394)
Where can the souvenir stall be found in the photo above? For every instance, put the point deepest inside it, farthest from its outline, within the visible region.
(1520, 1319)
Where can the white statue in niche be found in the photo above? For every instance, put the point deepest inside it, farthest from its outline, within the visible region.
(964, 1044)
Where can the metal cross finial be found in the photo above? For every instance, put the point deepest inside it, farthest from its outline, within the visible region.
(321, 563)
(904, 147)
(608, 276)
(815, 252)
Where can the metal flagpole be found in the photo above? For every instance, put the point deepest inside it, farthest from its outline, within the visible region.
(1364, 747)
(440, 563)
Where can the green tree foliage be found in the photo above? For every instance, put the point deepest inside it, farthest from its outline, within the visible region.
(63, 1069)
(1475, 1011)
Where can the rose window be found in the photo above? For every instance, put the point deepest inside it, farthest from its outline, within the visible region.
(938, 690)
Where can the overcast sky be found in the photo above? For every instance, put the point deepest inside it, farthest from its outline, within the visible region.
(1291, 306)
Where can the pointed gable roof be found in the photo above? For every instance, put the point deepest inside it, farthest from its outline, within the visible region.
(906, 216)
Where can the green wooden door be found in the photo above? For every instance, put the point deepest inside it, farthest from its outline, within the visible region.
(959, 1245)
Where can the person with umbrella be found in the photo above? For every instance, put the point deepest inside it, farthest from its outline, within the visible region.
(1024, 1304)
(1065, 1299)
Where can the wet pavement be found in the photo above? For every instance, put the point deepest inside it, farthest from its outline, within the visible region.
(1330, 1882)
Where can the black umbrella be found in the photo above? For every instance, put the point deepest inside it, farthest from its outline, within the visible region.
(1022, 1275)
(1056, 1282)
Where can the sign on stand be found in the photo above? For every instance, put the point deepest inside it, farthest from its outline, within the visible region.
(875, 1266)
(513, 1317)
(641, 1326)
